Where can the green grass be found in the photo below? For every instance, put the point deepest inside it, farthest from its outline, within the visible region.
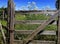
(45, 37)
(31, 17)
(20, 17)
(37, 17)
(1, 39)
(51, 27)
(26, 26)
(33, 27)
(38, 37)
(3, 22)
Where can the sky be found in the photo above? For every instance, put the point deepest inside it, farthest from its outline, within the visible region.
(41, 4)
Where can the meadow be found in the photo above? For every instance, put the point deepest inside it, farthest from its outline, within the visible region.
(32, 26)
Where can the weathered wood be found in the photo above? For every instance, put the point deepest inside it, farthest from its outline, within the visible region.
(30, 32)
(58, 30)
(40, 28)
(58, 24)
(3, 15)
(31, 22)
(4, 37)
(35, 42)
(11, 14)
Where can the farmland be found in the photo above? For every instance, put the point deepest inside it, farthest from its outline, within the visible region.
(23, 26)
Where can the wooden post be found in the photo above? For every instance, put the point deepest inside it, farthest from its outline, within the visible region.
(58, 22)
(58, 42)
(59, 4)
(3, 14)
(8, 18)
(10, 22)
(4, 38)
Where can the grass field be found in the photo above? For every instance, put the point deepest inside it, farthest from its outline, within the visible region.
(32, 26)
(31, 17)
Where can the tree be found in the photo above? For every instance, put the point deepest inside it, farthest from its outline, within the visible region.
(3, 8)
(29, 6)
(46, 10)
(57, 4)
(32, 6)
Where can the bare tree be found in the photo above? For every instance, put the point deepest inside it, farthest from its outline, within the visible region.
(46, 10)
(29, 6)
(32, 6)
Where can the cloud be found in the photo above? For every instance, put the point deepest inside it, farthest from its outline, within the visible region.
(47, 7)
(34, 3)
(29, 6)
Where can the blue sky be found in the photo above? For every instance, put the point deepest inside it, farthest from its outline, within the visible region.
(39, 3)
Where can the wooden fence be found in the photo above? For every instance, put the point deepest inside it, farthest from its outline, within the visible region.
(39, 29)
(35, 42)
(32, 22)
(32, 33)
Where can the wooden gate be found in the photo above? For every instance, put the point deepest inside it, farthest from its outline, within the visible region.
(33, 33)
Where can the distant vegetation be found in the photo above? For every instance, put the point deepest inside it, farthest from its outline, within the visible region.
(31, 17)
(27, 26)
(32, 26)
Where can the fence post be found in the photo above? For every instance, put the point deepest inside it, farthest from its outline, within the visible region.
(58, 24)
(3, 15)
(10, 21)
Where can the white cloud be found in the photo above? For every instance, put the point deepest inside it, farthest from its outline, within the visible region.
(34, 3)
(29, 6)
